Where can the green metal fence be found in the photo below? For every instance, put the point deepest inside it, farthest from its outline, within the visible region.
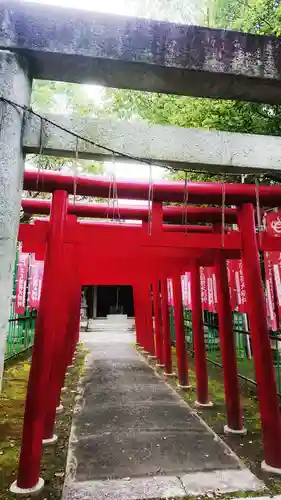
(242, 338)
(21, 328)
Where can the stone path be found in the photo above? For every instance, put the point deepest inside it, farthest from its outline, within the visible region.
(132, 435)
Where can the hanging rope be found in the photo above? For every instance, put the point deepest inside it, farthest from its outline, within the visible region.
(185, 202)
(150, 200)
(113, 194)
(41, 146)
(258, 206)
(223, 213)
(75, 171)
(109, 196)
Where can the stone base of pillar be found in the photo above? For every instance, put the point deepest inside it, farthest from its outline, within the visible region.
(27, 491)
(238, 432)
(59, 409)
(159, 365)
(49, 441)
(173, 374)
(150, 356)
(268, 468)
(203, 405)
(185, 387)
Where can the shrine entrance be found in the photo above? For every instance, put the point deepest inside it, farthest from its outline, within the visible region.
(114, 300)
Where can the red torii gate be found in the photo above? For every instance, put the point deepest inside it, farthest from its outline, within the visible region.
(173, 254)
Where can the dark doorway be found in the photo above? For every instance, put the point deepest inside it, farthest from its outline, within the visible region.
(115, 300)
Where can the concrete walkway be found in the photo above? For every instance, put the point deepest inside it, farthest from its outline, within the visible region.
(133, 437)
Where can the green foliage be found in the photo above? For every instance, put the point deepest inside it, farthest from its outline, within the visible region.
(66, 98)
(254, 16)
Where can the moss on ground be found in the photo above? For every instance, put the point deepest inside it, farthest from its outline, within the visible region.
(12, 402)
(249, 448)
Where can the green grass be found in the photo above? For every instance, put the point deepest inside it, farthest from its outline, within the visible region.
(12, 402)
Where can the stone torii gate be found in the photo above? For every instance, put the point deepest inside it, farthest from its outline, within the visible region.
(45, 42)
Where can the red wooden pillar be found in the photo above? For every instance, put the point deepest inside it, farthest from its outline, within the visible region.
(199, 339)
(265, 377)
(150, 344)
(43, 349)
(158, 323)
(74, 307)
(180, 333)
(228, 352)
(61, 345)
(167, 348)
(76, 320)
(139, 315)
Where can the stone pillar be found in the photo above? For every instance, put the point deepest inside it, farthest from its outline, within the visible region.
(15, 85)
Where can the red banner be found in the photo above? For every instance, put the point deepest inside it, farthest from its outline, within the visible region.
(269, 295)
(35, 283)
(170, 292)
(275, 259)
(186, 290)
(211, 289)
(22, 272)
(273, 223)
(240, 290)
(204, 289)
(231, 284)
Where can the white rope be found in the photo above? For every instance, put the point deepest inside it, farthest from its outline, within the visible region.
(185, 202)
(75, 171)
(150, 200)
(258, 206)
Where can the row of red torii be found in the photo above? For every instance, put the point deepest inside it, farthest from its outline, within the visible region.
(113, 253)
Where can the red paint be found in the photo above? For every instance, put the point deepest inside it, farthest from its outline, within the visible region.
(179, 331)
(158, 322)
(171, 214)
(227, 342)
(167, 346)
(43, 349)
(198, 337)
(198, 192)
(265, 377)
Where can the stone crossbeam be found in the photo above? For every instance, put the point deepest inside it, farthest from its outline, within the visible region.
(86, 47)
(174, 146)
